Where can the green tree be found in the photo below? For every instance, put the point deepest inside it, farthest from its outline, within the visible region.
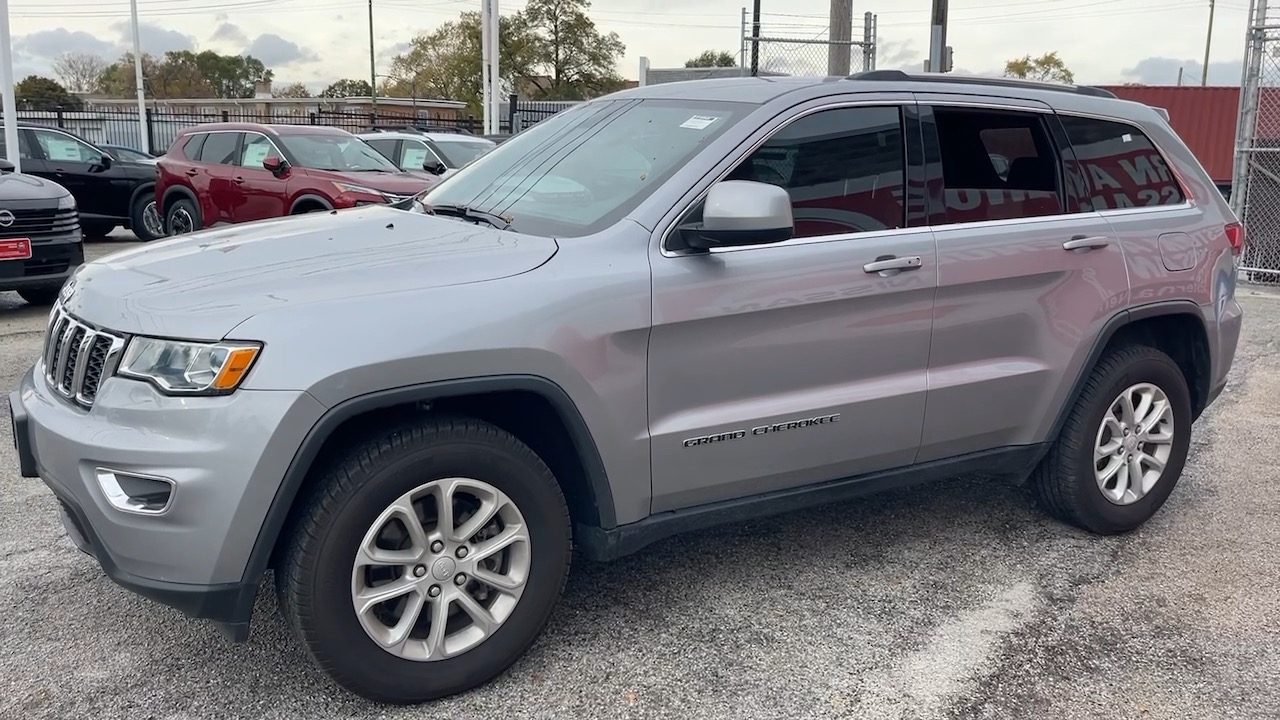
(1048, 68)
(41, 93)
(447, 62)
(184, 74)
(580, 61)
(348, 88)
(712, 58)
(292, 90)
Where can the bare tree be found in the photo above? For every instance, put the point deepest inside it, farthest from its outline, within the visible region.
(79, 72)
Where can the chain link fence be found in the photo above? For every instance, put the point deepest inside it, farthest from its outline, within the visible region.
(1255, 193)
(784, 45)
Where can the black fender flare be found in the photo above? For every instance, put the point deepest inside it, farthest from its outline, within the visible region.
(291, 484)
(149, 186)
(310, 197)
(1109, 330)
(173, 193)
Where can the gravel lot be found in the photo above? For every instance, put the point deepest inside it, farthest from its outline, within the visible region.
(957, 600)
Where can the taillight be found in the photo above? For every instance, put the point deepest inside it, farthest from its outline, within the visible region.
(1235, 236)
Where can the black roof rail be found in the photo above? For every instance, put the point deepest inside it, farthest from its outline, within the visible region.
(902, 76)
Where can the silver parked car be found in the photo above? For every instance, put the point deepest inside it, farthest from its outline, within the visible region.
(440, 153)
(674, 306)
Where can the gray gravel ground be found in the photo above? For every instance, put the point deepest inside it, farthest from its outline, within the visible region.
(958, 600)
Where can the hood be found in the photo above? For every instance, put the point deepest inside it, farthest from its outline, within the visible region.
(200, 286)
(394, 183)
(19, 187)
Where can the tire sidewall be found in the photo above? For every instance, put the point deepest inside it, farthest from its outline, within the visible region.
(1164, 374)
(329, 588)
(191, 210)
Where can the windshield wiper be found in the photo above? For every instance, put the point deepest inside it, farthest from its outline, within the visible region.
(469, 213)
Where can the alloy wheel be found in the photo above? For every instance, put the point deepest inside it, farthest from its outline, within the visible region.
(1133, 444)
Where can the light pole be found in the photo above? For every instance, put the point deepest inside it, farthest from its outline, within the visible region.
(373, 70)
(6, 90)
(137, 78)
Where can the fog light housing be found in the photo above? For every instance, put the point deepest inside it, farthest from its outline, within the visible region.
(136, 493)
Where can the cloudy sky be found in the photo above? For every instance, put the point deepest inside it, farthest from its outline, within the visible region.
(317, 41)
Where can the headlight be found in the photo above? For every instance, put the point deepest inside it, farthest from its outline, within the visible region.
(357, 189)
(188, 368)
(67, 202)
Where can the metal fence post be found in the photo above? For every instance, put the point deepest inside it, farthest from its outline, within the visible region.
(149, 130)
(512, 101)
(1255, 182)
(755, 39)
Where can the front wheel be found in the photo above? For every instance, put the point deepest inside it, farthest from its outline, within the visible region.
(1124, 444)
(427, 561)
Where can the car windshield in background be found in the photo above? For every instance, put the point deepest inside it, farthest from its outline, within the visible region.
(460, 152)
(334, 152)
(585, 168)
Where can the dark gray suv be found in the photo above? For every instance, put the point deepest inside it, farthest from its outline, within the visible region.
(667, 308)
(40, 237)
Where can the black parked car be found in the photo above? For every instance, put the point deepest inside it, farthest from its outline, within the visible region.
(109, 193)
(40, 242)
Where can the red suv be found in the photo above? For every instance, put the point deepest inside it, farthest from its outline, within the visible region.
(220, 173)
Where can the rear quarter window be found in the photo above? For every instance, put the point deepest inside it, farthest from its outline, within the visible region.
(1122, 168)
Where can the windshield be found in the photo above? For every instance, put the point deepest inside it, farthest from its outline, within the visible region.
(460, 152)
(336, 152)
(585, 168)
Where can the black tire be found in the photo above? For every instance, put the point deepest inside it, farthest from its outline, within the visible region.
(137, 219)
(1064, 483)
(96, 228)
(313, 580)
(179, 206)
(46, 295)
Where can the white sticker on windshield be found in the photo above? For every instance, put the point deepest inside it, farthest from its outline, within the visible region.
(698, 122)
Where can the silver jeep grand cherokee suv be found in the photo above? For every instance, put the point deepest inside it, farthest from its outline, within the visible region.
(670, 307)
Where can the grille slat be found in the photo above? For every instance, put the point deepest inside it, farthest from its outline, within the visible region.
(40, 224)
(78, 357)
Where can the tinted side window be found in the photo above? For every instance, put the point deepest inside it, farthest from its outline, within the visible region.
(386, 147)
(255, 149)
(844, 170)
(220, 148)
(191, 150)
(1121, 165)
(997, 165)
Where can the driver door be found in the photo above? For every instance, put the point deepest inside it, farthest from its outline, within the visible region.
(259, 194)
(778, 366)
(77, 166)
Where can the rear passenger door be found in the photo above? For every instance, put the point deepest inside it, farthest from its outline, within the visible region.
(1027, 274)
(218, 158)
(777, 366)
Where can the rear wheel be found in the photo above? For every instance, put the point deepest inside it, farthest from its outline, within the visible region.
(427, 561)
(1124, 444)
(183, 217)
(145, 219)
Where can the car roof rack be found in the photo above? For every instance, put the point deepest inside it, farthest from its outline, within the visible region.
(412, 128)
(902, 76)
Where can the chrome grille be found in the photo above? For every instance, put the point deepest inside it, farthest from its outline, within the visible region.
(78, 357)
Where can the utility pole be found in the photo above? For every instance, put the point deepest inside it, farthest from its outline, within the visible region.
(373, 71)
(137, 78)
(840, 38)
(1208, 41)
(6, 90)
(938, 36)
(755, 38)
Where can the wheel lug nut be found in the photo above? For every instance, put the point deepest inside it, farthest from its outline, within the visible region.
(461, 579)
(419, 570)
(434, 591)
(462, 552)
(437, 546)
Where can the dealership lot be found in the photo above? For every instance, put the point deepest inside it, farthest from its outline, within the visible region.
(957, 600)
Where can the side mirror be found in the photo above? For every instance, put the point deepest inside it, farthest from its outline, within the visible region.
(6, 166)
(434, 166)
(105, 162)
(274, 163)
(742, 212)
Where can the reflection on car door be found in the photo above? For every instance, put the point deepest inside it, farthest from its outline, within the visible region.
(258, 193)
(1026, 274)
(218, 156)
(782, 365)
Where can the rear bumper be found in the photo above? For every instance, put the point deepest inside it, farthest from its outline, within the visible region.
(50, 264)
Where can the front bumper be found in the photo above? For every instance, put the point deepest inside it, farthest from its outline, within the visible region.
(219, 454)
(50, 264)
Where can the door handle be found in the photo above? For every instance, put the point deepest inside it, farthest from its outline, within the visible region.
(239, 180)
(881, 264)
(192, 172)
(1086, 242)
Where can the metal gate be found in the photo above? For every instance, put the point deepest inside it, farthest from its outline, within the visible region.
(1255, 184)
